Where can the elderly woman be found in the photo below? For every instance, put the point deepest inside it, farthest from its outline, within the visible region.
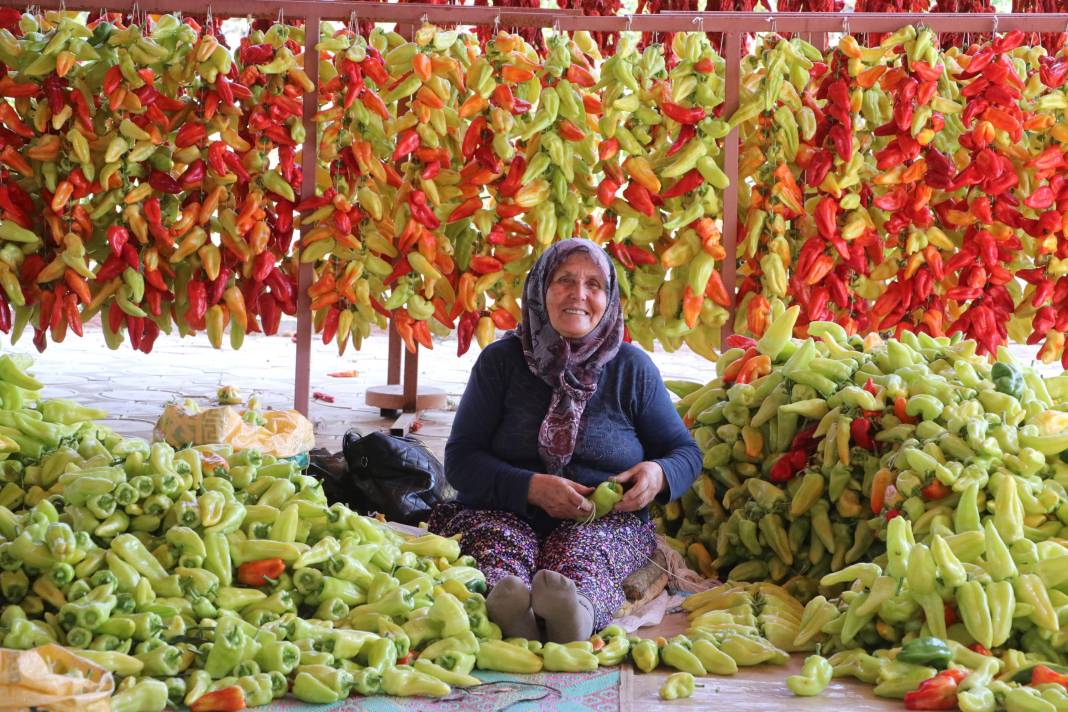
(550, 411)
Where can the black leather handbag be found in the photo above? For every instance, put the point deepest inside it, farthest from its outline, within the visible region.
(395, 475)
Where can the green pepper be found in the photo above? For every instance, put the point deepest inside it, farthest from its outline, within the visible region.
(572, 657)
(432, 545)
(227, 649)
(405, 681)
(926, 651)
(320, 684)
(452, 677)
(815, 675)
(1007, 379)
(147, 695)
(679, 685)
(449, 613)
(714, 660)
(503, 657)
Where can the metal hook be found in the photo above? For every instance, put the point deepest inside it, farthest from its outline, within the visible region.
(425, 19)
(630, 22)
(281, 15)
(845, 25)
(556, 25)
(700, 22)
(773, 23)
(497, 23)
(208, 17)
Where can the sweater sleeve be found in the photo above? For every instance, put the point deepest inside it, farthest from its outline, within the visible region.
(483, 479)
(664, 437)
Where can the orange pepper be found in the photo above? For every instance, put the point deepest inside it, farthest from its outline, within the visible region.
(879, 484)
(422, 66)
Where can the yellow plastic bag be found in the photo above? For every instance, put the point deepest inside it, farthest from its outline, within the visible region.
(54, 678)
(282, 433)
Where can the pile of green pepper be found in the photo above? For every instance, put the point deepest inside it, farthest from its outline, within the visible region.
(926, 480)
(220, 578)
(805, 466)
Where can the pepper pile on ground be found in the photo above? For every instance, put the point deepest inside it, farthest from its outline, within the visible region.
(136, 182)
(219, 578)
(448, 168)
(812, 445)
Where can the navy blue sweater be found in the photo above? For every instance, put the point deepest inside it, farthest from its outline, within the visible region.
(492, 451)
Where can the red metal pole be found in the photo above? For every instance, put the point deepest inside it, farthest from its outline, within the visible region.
(309, 154)
(730, 166)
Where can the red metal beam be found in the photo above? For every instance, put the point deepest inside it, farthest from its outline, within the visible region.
(732, 91)
(309, 154)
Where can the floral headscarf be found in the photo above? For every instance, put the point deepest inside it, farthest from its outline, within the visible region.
(570, 366)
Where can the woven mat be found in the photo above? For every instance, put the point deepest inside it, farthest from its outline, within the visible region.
(568, 692)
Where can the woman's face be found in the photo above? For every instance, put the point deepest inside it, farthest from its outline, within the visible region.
(576, 296)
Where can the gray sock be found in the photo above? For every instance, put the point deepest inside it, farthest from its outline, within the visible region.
(508, 605)
(568, 614)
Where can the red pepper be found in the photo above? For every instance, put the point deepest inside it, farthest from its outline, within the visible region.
(937, 693)
(860, 430)
(407, 142)
(472, 137)
(485, 264)
(682, 114)
(619, 251)
(261, 572)
(1042, 675)
(641, 256)
(511, 183)
(608, 148)
(936, 490)
(193, 174)
(74, 317)
(228, 699)
(234, 162)
(164, 183)
(197, 296)
(639, 198)
(465, 209)
(737, 341)
(686, 134)
(262, 266)
(190, 134)
(421, 211)
(270, 314)
(135, 327)
(787, 466)
(115, 317)
(981, 649)
(606, 191)
(148, 338)
(218, 286)
(687, 183)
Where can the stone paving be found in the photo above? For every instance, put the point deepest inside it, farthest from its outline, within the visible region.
(134, 387)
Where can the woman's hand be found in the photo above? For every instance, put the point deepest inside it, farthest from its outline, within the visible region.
(646, 480)
(559, 497)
